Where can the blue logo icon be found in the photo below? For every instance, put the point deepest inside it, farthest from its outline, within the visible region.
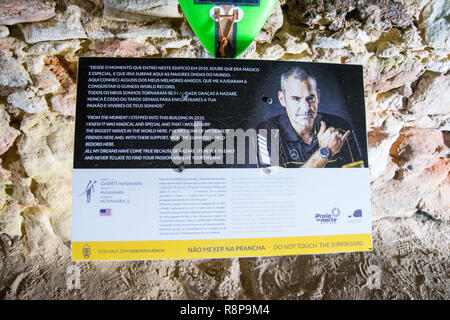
(357, 213)
(335, 212)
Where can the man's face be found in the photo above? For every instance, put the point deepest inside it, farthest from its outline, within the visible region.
(301, 100)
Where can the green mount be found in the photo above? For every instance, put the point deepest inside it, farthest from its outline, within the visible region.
(256, 12)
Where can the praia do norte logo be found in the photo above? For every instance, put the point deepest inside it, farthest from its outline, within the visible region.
(89, 191)
(328, 218)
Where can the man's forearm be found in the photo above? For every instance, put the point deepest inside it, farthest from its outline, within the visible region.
(315, 161)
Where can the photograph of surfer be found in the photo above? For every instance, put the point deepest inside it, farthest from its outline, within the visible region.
(307, 137)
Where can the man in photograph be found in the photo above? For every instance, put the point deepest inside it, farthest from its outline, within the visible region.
(307, 138)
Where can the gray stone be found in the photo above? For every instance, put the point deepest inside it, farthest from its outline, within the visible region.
(156, 30)
(186, 30)
(19, 11)
(438, 66)
(47, 143)
(137, 5)
(384, 74)
(354, 33)
(329, 14)
(431, 96)
(27, 101)
(54, 48)
(4, 31)
(436, 24)
(272, 52)
(90, 7)
(294, 45)
(124, 48)
(141, 10)
(12, 75)
(411, 39)
(385, 14)
(7, 134)
(328, 43)
(64, 26)
(44, 81)
(389, 51)
(100, 34)
(334, 14)
(414, 6)
(174, 44)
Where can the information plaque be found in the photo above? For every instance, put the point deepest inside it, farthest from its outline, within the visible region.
(206, 158)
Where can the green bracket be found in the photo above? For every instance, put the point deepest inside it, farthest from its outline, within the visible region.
(255, 14)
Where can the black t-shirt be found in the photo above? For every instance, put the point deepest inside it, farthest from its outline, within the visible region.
(293, 152)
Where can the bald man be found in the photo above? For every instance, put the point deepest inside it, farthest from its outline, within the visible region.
(307, 138)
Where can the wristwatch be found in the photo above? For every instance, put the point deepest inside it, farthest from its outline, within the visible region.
(325, 152)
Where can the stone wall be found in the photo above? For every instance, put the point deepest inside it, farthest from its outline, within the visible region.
(404, 46)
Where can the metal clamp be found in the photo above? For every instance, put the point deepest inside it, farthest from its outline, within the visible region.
(213, 13)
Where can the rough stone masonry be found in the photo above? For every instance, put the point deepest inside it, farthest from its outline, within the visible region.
(404, 46)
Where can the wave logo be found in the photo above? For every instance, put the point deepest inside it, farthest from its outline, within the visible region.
(336, 212)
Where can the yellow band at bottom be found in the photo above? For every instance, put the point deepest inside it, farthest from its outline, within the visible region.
(218, 248)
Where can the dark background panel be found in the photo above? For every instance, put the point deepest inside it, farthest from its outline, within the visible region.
(341, 88)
